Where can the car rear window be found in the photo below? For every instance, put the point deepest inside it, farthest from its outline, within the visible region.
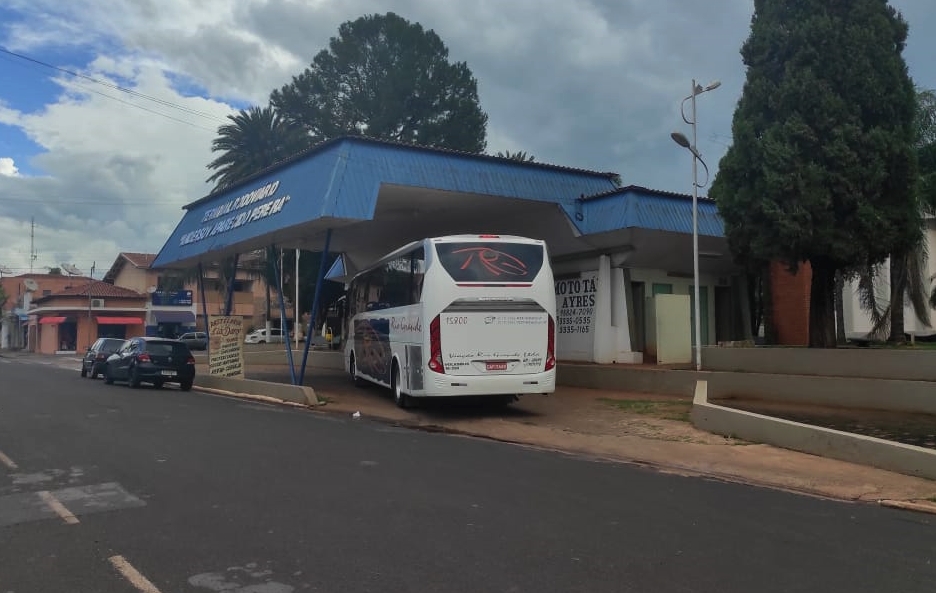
(490, 261)
(167, 349)
(111, 345)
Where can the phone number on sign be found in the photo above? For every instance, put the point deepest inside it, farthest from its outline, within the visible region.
(573, 329)
(574, 321)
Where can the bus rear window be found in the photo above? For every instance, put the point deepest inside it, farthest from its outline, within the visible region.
(490, 261)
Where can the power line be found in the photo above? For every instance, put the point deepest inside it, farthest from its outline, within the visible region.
(132, 92)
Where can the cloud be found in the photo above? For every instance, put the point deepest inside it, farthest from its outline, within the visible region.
(113, 176)
(8, 167)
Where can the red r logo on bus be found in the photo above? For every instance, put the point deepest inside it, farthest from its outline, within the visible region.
(495, 262)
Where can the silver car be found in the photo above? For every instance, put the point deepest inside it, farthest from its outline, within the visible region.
(195, 340)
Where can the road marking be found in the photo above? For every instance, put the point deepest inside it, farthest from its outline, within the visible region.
(133, 575)
(7, 461)
(58, 507)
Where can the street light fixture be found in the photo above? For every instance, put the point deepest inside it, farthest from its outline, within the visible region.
(680, 139)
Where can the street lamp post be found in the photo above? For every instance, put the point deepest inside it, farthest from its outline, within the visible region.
(681, 139)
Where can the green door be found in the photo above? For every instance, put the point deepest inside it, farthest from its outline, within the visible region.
(703, 304)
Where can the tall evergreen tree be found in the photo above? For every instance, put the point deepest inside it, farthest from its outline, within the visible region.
(384, 77)
(822, 165)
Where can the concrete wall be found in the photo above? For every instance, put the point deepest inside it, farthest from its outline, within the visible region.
(624, 378)
(888, 455)
(845, 392)
(871, 363)
(299, 394)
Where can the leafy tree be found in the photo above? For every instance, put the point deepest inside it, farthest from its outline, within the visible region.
(386, 78)
(822, 163)
(907, 270)
(255, 139)
(520, 155)
(3, 299)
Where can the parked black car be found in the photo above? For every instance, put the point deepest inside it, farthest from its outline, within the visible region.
(95, 357)
(152, 360)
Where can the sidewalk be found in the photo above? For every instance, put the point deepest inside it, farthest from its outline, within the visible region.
(646, 429)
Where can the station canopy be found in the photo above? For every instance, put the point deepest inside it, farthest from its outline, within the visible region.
(376, 196)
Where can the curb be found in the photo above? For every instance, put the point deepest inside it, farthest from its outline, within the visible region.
(920, 506)
(910, 505)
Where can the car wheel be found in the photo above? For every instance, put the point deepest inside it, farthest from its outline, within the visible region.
(402, 400)
(186, 385)
(108, 379)
(134, 378)
(262, 342)
(84, 371)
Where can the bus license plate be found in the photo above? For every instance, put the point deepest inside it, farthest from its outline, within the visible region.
(169, 373)
(495, 366)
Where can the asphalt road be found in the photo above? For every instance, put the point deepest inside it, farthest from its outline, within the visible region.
(187, 492)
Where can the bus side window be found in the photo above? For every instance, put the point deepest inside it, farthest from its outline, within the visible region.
(417, 272)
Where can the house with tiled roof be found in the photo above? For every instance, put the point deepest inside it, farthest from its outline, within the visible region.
(173, 309)
(71, 319)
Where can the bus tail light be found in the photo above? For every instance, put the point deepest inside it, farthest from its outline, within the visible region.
(551, 345)
(435, 345)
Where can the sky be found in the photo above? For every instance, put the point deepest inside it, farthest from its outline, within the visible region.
(595, 84)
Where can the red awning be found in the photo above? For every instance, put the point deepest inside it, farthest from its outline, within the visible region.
(119, 320)
(52, 320)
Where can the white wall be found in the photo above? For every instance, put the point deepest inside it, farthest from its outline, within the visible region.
(858, 321)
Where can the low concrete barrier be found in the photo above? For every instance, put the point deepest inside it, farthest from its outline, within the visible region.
(816, 440)
(841, 392)
(868, 363)
(624, 378)
(299, 394)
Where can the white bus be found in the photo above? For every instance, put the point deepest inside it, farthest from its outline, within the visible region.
(463, 315)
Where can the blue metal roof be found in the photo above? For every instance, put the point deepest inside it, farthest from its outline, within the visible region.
(639, 207)
(340, 179)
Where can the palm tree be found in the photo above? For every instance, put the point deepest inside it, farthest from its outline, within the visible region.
(255, 139)
(908, 280)
(520, 155)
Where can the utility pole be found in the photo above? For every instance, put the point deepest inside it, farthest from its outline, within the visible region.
(32, 243)
(296, 302)
(90, 292)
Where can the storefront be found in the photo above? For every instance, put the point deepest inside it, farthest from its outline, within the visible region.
(71, 320)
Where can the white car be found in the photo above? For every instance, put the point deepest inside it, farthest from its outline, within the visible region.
(260, 336)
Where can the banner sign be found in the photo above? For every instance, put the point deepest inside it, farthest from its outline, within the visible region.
(226, 346)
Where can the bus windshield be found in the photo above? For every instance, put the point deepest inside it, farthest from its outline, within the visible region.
(491, 262)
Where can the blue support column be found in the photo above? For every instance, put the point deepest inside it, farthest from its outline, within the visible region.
(204, 302)
(315, 303)
(228, 302)
(282, 303)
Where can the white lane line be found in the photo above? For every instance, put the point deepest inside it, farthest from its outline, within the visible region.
(133, 575)
(60, 510)
(7, 461)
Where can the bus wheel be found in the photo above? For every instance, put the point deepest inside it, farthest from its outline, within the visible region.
(401, 399)
(353, 368)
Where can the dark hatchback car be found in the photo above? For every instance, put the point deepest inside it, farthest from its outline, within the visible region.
(95, 358)
(151, 360)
